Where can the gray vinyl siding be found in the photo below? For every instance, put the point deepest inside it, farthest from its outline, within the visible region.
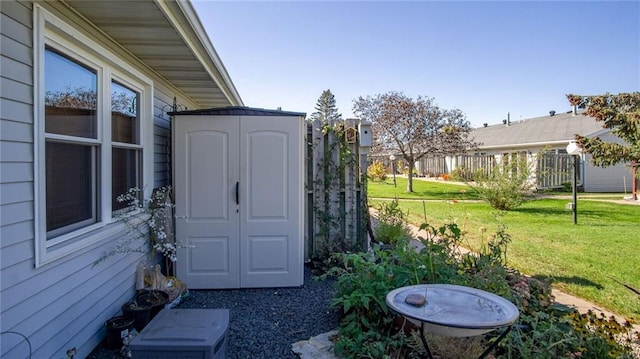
(609, 179)
(62, 304)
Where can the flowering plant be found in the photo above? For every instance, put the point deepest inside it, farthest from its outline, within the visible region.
(150, 226)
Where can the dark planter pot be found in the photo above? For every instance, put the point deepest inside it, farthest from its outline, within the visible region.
(117, 328)
(387, 247)
(156, 299)
(141, 314)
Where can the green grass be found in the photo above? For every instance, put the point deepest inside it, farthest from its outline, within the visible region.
(421, 190)
(580, 259)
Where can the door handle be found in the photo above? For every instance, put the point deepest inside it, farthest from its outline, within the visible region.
(237, 192)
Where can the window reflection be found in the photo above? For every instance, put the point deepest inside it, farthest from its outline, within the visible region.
(70, 97)
(124, 114)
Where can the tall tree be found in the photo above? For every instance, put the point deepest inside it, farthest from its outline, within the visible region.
(326, 109)
(414, 127)
(621, 114)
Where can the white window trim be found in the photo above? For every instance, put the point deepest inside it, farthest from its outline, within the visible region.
(51, 30)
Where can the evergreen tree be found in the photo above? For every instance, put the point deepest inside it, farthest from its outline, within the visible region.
(326, 110)
(619, 113)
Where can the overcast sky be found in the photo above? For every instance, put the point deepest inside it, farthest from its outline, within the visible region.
(485, 58)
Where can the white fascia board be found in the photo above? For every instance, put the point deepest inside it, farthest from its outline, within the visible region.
(200, 45)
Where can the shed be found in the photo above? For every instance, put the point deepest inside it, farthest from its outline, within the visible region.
(238, 175)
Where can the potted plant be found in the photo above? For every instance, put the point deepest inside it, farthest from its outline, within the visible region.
(154, 299)
(140, 312)
(117, 329)
(150, 228)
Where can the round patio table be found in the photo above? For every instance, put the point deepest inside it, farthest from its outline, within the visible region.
(454, 311)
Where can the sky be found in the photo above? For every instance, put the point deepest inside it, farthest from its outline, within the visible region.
(484, 58)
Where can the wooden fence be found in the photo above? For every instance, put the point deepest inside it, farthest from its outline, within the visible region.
(336, 191)
(554, 170)
(551, 170)
(437, 165)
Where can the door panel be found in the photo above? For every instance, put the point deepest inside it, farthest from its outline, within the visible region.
(206, 170)
(267, 184)
(271, 240)
(210, 256)
(268, 253)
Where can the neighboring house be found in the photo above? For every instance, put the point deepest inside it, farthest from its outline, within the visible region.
(86, 87)
(552, 134)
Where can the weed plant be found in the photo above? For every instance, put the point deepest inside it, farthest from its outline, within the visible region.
(392, 225)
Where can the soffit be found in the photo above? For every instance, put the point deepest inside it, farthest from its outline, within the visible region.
(169, 41)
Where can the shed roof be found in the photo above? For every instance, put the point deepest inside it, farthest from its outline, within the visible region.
(237, 111)
(169, 37)
(556, 129)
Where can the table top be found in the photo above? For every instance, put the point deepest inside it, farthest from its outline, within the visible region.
(454, 306)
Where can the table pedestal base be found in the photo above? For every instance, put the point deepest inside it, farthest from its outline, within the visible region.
(483, 355)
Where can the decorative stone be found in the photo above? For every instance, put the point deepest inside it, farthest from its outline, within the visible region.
(318, 347)
(417, 300)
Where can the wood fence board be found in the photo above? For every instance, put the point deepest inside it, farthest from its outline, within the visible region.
(334, 201)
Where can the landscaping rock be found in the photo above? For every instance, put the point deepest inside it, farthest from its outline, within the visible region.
(318, 347)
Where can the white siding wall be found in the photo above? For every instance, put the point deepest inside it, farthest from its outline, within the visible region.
(62, 304)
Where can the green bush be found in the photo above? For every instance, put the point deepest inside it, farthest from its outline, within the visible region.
(506, 186)
(392, 223)
(544, 330)
(367, 329)
(461, 174)
(377, 171)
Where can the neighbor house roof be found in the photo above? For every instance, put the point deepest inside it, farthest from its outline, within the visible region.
(169, 37)
(547, 130)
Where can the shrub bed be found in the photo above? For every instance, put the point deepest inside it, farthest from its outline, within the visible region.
(544, 329)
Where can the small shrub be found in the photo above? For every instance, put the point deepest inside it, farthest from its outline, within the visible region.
(390, 233)
(461, 174)
(392, 226)
(405, 171)
(377, 171)
(506, 186)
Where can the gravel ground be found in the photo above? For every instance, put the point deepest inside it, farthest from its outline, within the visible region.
(265, 322)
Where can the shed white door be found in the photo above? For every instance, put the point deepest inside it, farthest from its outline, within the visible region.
(238, 186)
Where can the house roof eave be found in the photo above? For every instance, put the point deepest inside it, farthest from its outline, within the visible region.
(526, 145)
(168, 39)
(200, 42)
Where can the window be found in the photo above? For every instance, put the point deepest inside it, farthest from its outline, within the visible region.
(94, 138)
(125, 137)
(71, 149)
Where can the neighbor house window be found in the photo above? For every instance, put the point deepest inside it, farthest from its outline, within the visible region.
(94, 136)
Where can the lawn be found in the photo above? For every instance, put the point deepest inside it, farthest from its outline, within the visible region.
(421, 190)
(580, 259)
